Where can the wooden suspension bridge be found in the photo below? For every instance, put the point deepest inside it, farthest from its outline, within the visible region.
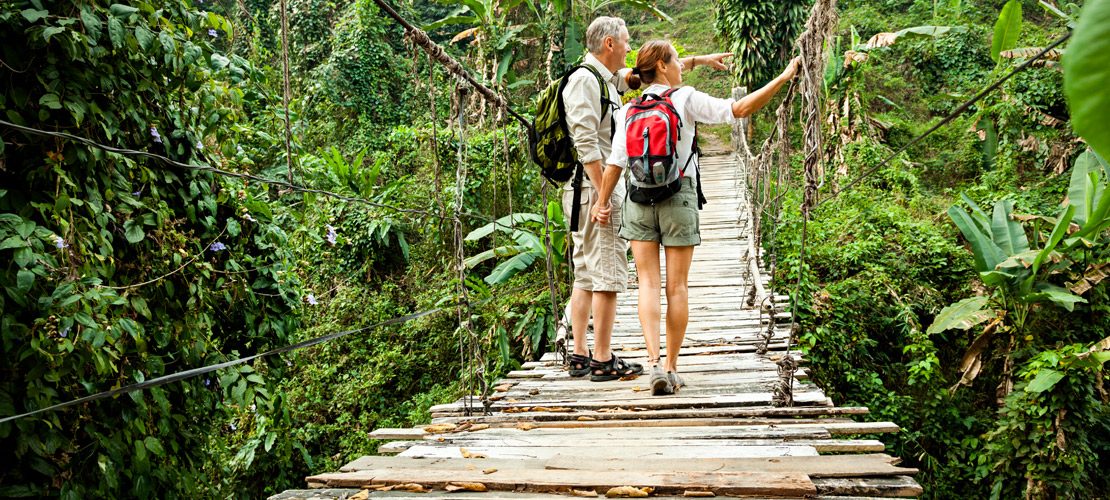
(551, 435)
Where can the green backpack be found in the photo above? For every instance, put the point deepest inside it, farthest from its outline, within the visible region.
(551, 145)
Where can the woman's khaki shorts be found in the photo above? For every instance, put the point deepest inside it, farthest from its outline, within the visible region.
(673, 222)
(600, 256)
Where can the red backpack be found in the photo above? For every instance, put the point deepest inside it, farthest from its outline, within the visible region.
(652, 131)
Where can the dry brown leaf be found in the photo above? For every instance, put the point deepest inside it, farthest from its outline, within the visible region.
(638, 389)
(467, 454)
(526, 426)
(489, 471)
(464, 34)
(634, 376)
(410, 487)
(362, 495)
(439, 428)
(463, 486)
(852, 56)
(478, 427)
(884, 39)
(503, 387)
(533, 392)
(693, 493)
(628, 492)
(586, 419)
(583, 493)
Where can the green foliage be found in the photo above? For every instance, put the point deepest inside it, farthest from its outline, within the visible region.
(761, 34)
(1086, 70)
(1006, 29)
(118, 270)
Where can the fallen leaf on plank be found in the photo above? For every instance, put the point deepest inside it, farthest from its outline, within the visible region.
(478, 427)
(467, 454)
(628, 492)
(461, 486)
(489, 471)
(583, 493)
(438, 428)
(692, 493)
(362, 495)
(526, 426)
(586, 419)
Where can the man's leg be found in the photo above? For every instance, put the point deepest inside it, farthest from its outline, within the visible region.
(580, 320)
(605, 313)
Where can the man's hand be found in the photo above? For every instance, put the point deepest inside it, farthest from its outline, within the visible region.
(601, 214)
(715, 61)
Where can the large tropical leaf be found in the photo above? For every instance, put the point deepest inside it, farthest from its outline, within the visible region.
(1006, 28)
(1006, 232)
(986, 253)
(961, 315)
(502, 251)
(504, 224)
(888, 38)
(1051, 293)
(1058, 232)
(1086, 72)
(978, 214)
(1046, 378)
(510, 268)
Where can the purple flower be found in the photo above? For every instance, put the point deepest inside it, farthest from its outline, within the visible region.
(200, 145)
(331, 235)
(217, 246)
(239, 149)
(59, 242)
(207, 382)
(64, 333)
(154, 133)
(137, 193)
(213, 33)
(311, 299)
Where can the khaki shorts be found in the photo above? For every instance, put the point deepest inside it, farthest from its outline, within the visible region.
(600, 256)
(673, 222)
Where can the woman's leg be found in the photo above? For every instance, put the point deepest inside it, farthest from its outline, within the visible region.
(646, 254)
(678, 300)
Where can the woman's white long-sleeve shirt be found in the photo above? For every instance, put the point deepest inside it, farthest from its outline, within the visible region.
(693, 106)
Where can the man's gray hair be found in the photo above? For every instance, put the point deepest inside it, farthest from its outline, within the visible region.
(602, 27)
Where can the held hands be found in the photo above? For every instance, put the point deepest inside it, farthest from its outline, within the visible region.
(601, 214)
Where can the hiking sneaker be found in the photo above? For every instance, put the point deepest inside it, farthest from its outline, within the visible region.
(676, 381)
(660, 382)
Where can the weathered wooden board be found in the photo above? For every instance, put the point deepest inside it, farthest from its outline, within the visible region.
(726, 483)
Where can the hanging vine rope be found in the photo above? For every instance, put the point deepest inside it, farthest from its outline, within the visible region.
(285, 88)
(472, 355)
(420, 37)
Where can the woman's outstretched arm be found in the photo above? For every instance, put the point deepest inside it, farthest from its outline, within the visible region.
(756, 100)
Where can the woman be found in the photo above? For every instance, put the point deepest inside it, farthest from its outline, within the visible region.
(672, 222)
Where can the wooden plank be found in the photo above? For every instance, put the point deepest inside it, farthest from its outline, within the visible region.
(898, 486)
(624, 453)
(629, 415)
(724, 483)
(762, 447)
(815, 466)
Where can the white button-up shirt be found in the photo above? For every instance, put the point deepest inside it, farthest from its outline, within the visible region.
(589, 125)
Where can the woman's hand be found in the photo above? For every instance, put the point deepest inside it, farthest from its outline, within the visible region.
(792, 69)
(715, 61)
(601, 214)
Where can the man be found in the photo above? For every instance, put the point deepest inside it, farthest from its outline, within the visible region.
(600, 255)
